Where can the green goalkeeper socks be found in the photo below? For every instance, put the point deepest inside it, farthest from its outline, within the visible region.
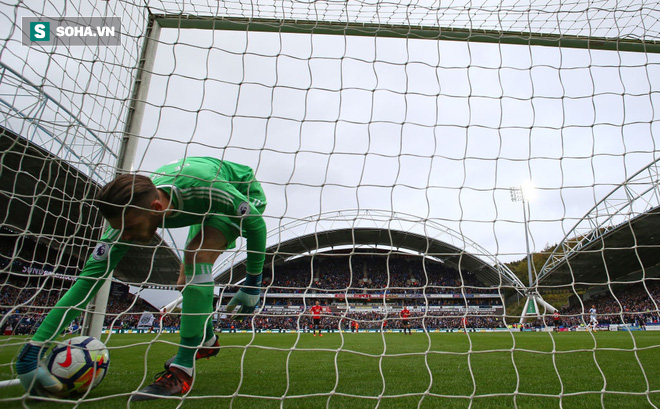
(209, 334)
(196, 312)
(186, 356)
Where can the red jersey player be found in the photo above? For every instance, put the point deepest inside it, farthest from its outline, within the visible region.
(556, 318)
(354, 326)
(405, 319)
(316, 318)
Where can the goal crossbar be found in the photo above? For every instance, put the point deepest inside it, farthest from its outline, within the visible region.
(407, 31)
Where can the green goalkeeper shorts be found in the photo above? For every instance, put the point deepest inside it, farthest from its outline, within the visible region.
(228, 226)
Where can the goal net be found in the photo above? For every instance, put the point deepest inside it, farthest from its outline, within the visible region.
(490, 168)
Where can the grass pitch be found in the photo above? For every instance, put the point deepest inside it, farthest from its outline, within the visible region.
(391, 370)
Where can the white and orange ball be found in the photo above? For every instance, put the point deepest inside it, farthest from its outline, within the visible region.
(80, 363)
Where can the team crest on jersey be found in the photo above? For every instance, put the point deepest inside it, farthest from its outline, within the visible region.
(243, 209)
(101, 251)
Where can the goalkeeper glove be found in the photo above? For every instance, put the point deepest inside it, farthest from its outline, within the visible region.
(36, 379)
(247, 298)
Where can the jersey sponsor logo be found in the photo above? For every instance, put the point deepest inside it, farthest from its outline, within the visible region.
(243, 209)
(101, 251)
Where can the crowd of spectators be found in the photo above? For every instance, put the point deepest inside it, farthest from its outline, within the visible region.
(125, 313)
(624, 304)
(25, 300)
(636, 304)
(371, 274)
(24, 304)
(366, 320)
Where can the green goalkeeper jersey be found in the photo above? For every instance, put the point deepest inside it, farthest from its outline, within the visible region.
(200, 189)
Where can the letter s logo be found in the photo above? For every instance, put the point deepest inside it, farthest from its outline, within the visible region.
(39, 31)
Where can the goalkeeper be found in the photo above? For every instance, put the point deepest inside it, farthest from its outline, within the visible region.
(219, 200)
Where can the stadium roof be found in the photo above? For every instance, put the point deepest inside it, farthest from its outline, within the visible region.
(396, 239)
(625, 253)
(49, 199)
(617, 240)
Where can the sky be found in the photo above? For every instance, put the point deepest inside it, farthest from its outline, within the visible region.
(438, 130)
(435, 130)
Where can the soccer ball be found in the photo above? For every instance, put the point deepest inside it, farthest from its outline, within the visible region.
(80, 363)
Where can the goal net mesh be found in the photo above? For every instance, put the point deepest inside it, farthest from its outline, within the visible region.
(414, 156)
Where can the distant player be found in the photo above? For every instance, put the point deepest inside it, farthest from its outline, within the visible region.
(354, 326)
(556, 320)
(405, 320)
(219, 201)
(464, 324)
(73, 328)
(593, 320)
(316, 310)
